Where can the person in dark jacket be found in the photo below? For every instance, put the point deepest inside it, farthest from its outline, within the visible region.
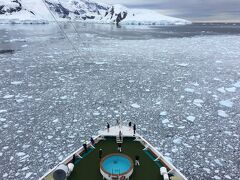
(100, 152)
(108, 126)
(85, 147)
(134, 128)
(92, 141)
(130, 125)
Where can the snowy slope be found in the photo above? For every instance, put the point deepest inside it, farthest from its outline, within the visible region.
(35, 11)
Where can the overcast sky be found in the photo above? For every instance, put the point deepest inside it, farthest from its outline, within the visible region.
(195, 10)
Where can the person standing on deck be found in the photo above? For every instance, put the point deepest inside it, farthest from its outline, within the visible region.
(119, 147)
(100, 152)
(85, 147)
(137, 163)
(108, 127)
(120, 135)
(134, 129)
(130, 125)
(92, 141)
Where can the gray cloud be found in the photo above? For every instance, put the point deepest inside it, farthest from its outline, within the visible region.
(213, 10)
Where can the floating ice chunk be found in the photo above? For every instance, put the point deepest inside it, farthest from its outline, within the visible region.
(231, 89)
(55, 120)
(226, 103)
(28, 175)
(222, 113)
(216, 177)
(222, 90)
(3, 111)
(25, 168)
(50, 137)
(237, 84)
(135, 105)
(96, 113)
(181, 127)
(170, 125)
(183, 64)
(189, 90)
(8, 96)
(63, 97)
(2, 119)
(228, 133)
(165, 121)
(228, 177)
(163, 113)
(19, 100)
(100, 63)
(207, 170)
(191, 118)
(217, 161)
(177, 141)
(198, 102)
(20, 154)
(1, 154)
(5, 175)
(16, 82)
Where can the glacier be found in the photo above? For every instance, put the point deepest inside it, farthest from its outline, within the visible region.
(36, 12)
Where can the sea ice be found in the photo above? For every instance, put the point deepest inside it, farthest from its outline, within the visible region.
(222, 113)
(135, 105)
(226, 103)
(20, 154)
(228, 177)
(216, 177)
(191, 118)
(237, 84)
(96, 113)
(177, 141)
(183, 64)
(28, 175)
(198, 102)
(222, 90)
(207, 170)
(163, 113)
(189, 90)
(3, 111)
(2, 119)
(231, 89)
(16, 82)
(63, 97)
(8, 96)
(165, 121)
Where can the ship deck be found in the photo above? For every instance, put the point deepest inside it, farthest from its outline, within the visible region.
(88, 167)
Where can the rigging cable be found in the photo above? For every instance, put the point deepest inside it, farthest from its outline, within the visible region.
(62, 30)
(75, 29)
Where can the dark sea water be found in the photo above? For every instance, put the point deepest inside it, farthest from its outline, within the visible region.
(179, 84)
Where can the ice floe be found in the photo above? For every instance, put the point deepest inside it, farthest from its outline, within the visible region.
(226, 103)
(189, 90)
(222, 113)
(231, 89)
(16, 82)
(135, 105)
(191, 118)
(163, 113)
(198, 102)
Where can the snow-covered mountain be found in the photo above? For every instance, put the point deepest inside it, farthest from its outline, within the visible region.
(36, 11)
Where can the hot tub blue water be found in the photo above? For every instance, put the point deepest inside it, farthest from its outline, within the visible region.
(116, 164)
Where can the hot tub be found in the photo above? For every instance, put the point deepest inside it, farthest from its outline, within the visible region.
(116, 166)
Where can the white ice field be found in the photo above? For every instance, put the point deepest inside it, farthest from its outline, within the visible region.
(183, 94)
